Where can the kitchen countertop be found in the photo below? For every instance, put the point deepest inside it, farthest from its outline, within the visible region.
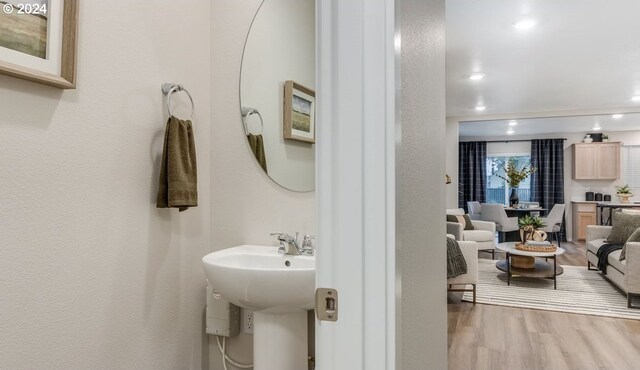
(608, 204)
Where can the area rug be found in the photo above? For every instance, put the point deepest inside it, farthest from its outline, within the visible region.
(579, 291)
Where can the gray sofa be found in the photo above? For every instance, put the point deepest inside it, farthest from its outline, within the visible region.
(626, 273)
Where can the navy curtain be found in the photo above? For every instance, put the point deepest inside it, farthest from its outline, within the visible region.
(472, 172)
(547, 183)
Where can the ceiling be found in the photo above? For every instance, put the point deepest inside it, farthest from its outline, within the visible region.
(580, 55)
(560, 125)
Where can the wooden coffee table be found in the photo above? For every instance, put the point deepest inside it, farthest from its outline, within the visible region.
(529, 264)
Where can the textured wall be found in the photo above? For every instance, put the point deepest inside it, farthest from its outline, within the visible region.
(92, 275)
(247, 205)
(421, 168)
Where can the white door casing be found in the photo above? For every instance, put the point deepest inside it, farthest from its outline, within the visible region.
(355, 176)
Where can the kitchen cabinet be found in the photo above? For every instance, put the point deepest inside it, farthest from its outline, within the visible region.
(596, 161)
(584, 214)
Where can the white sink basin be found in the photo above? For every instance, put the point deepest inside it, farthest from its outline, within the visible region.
(259, 279)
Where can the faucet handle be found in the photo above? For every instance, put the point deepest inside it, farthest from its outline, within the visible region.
(306, 241)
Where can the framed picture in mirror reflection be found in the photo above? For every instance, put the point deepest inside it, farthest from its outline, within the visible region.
(299, 112)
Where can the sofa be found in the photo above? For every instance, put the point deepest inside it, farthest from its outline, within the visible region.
(461, 282)
(626, 273)
(484, 234)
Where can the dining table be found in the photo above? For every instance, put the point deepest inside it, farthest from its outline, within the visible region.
(521, 212)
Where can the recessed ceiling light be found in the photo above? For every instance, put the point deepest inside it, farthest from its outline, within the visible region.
(524, 24)
(480, 108)
(617, 116)
(513, 123)
(510, 132)
(476, 76)
(635, 98)
(597, 128)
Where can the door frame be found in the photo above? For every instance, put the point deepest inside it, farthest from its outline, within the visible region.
(355, 177)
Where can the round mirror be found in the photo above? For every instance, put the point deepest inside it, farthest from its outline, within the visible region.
(277, 91)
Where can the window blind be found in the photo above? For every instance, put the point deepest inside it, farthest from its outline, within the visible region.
(631, 159)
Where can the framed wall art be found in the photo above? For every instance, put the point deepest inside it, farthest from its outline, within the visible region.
(38, 40)
(299, 112)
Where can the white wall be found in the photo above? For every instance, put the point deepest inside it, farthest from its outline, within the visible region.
(280, 47)
(247, 205)
(451, 160)
(420, 192)
(573, 189)
(92, 275)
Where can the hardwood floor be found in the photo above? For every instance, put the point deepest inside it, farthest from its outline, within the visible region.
(494, 337)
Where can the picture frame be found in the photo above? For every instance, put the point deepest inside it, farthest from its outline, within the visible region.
(49, 53)
(299, 112)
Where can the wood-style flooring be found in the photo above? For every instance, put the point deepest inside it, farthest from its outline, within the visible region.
(495, 338)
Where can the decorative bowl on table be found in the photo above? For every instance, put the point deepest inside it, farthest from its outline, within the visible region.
(535, 247)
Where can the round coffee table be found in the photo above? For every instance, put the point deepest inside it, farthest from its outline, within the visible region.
(529, 264)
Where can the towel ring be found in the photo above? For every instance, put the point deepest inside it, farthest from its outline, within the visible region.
(246, 112)
(169, 88)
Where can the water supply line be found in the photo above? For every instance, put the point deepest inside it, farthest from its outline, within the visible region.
(225, 358)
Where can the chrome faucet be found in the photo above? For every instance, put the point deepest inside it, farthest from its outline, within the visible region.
(289, 244)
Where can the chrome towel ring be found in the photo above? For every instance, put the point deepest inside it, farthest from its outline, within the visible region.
(248, 111)
(169, 88)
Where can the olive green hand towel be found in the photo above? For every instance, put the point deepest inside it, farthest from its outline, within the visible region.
(178, 186)
(256, 142)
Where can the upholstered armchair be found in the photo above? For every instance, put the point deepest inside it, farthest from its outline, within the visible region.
(484, 234)
(461, 282)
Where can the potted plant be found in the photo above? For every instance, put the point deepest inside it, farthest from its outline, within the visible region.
(623, 193)
(529, 226)
(605, 138)
(514, 177)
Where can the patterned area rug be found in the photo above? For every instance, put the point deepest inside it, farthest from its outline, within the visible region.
(579, 291)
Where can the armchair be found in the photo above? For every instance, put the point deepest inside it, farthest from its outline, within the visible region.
(484, 234)
(470, 252)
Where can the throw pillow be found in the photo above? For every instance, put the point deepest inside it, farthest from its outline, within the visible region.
(623, 226)
(631, 211)
(465, 220)
(635, 237)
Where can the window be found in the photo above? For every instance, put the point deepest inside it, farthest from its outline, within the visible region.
(497, 189)
(631, 165)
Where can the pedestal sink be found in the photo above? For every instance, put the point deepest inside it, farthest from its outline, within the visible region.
(279, 289)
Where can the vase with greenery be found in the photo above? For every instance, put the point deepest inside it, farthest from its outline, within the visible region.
(514, 177)
(529, 226)
(624, 193)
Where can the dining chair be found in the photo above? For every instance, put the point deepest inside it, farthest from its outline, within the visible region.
(553, 221)
(475, 210)
(495, 212)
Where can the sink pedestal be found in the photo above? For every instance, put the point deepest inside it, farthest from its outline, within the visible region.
(280, 341)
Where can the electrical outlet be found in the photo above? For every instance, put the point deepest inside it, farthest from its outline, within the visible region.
(247, 321)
